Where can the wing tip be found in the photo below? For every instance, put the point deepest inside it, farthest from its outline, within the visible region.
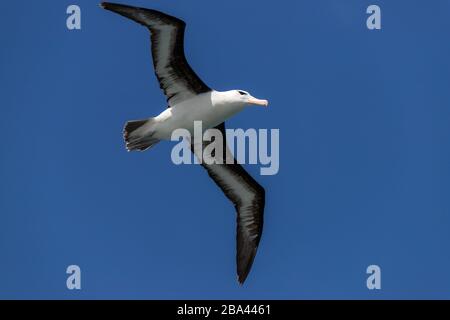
(116, 7)
(241, 279)
(244, 266)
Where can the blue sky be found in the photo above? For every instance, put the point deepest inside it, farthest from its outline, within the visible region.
(364, 153)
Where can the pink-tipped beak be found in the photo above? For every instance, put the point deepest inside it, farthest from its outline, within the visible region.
(258, 102)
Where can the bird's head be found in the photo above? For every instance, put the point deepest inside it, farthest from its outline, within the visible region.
(241, 96)
(238, 99)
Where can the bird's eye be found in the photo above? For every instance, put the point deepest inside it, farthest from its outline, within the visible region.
(242, 93)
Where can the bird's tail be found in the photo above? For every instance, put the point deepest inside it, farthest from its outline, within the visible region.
(138, 135)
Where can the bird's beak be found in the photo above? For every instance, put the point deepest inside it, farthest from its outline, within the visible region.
(258, 102)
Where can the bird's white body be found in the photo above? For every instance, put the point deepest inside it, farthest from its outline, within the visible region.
(211, 108)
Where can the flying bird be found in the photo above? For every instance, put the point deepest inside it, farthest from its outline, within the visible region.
(190, 99)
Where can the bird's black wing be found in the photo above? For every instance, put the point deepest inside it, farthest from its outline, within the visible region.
(248, 197)
(176, 78)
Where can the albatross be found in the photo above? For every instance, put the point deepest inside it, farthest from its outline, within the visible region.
(190, 99)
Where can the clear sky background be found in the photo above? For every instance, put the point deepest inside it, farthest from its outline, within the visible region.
(364, 158)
